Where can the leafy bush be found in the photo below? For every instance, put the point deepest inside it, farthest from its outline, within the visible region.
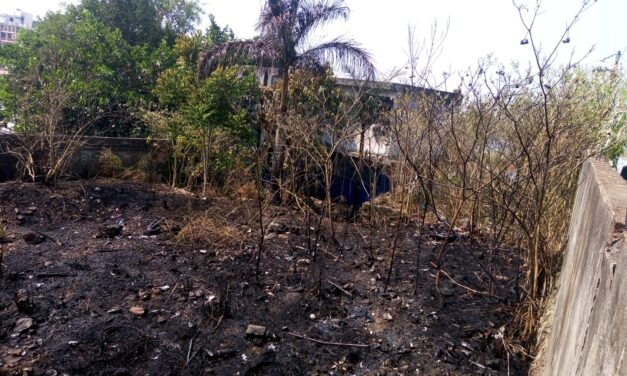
(109, 164)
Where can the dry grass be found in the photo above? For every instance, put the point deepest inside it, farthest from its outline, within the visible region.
(247, 190)
(210, 231)
(109, 164)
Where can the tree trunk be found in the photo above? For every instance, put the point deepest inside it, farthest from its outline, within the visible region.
(279, 138)
(205, 161)
(175, 165)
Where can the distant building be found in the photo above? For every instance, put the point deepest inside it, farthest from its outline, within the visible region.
(11, 23)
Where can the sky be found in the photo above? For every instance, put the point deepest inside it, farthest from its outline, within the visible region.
(474, 29)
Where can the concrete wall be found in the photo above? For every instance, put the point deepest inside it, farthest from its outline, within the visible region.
(589, 327)
(86, 162)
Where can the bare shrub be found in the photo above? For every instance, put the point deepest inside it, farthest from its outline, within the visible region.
(500, 161)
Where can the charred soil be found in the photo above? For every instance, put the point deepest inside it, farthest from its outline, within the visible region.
(118, 278)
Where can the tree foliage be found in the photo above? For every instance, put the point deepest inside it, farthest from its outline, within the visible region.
(92, 62)
(193, 113)
(145, 22)
(109, 54)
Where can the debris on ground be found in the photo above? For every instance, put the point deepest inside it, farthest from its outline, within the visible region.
(120, 291)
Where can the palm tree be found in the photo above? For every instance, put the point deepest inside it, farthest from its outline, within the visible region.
(285, 27)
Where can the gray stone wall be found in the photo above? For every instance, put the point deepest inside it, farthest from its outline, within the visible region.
(86, 162)
(588, 334)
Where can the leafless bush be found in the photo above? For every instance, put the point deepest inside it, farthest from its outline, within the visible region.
(500, 161)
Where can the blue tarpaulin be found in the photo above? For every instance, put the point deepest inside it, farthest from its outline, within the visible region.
(348, 187)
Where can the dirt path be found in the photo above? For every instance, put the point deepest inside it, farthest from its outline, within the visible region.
(77, 298)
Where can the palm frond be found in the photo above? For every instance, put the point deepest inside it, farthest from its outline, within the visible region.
(275, 15)
(314, 14)
(344, 54)
(259, 51)
(311, 64)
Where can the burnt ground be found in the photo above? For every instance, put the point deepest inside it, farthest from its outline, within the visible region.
(78, 299)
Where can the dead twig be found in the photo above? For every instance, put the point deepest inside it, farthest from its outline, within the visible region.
(335, 257)
(172, 292)
(189, 351)
(340, 288)
(470, 289)
(194, 355)
(327, 343)
(218, 324)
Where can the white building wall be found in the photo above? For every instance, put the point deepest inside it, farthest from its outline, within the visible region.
(11, 23)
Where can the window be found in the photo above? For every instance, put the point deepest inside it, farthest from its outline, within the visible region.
(3, 36)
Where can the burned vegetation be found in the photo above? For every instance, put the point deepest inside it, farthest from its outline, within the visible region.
(173, 290)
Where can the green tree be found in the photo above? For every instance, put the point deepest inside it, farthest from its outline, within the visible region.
(109, 77)
(193, 110)
(219, 103)
(145, 22)
(90, 61)
(285, 28)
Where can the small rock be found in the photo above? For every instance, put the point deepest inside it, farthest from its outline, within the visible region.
(256, 331)
(23, 324)
(312, 317)
(387, 316)
(110, 231)
(33, 238)
(143, 295)
(196, 294)
(161, 319)
(164, 288)
(414, 318)
(23, 301)
(137, 310)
